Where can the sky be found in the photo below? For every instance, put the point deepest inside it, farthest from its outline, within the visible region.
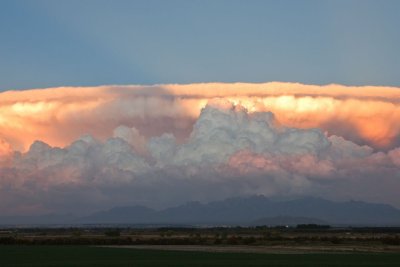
(156, 103)
(87, 43)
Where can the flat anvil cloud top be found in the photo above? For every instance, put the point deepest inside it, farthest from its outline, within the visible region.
(365, 115)
(170, 143)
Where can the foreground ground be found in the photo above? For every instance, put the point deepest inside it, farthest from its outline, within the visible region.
(105, 256)
(277, 249)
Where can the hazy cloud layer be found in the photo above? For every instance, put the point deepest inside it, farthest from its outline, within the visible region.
(163, 145)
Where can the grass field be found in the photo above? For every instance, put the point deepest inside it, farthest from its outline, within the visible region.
(98, 256)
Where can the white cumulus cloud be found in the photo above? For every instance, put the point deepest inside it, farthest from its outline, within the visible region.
(230, 151)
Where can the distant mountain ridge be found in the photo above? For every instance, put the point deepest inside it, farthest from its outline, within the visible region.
(237, 211)
(246, 210)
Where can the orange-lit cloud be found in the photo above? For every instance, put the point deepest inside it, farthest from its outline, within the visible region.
(5, 153)
(225, 150)
(365, 115)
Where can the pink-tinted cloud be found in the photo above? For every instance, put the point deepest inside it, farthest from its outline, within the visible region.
(6, 152)
(365, 115)
(106, 146)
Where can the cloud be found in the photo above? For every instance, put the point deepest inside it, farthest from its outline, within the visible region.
(84, 157)
(133, 137)
(224, 129)
(229, 151)
(247, 162)
(365, 115)
(6, 152)
(394, 156)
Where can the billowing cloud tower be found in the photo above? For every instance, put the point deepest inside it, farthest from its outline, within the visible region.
(166, 144)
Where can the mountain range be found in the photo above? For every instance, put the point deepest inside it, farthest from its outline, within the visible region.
(253, 210)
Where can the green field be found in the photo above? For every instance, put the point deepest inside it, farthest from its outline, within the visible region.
(96, 256)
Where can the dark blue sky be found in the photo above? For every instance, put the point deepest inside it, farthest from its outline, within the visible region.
(55, 43)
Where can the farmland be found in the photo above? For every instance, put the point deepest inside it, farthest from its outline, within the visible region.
(310, 245)
(99, 256)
